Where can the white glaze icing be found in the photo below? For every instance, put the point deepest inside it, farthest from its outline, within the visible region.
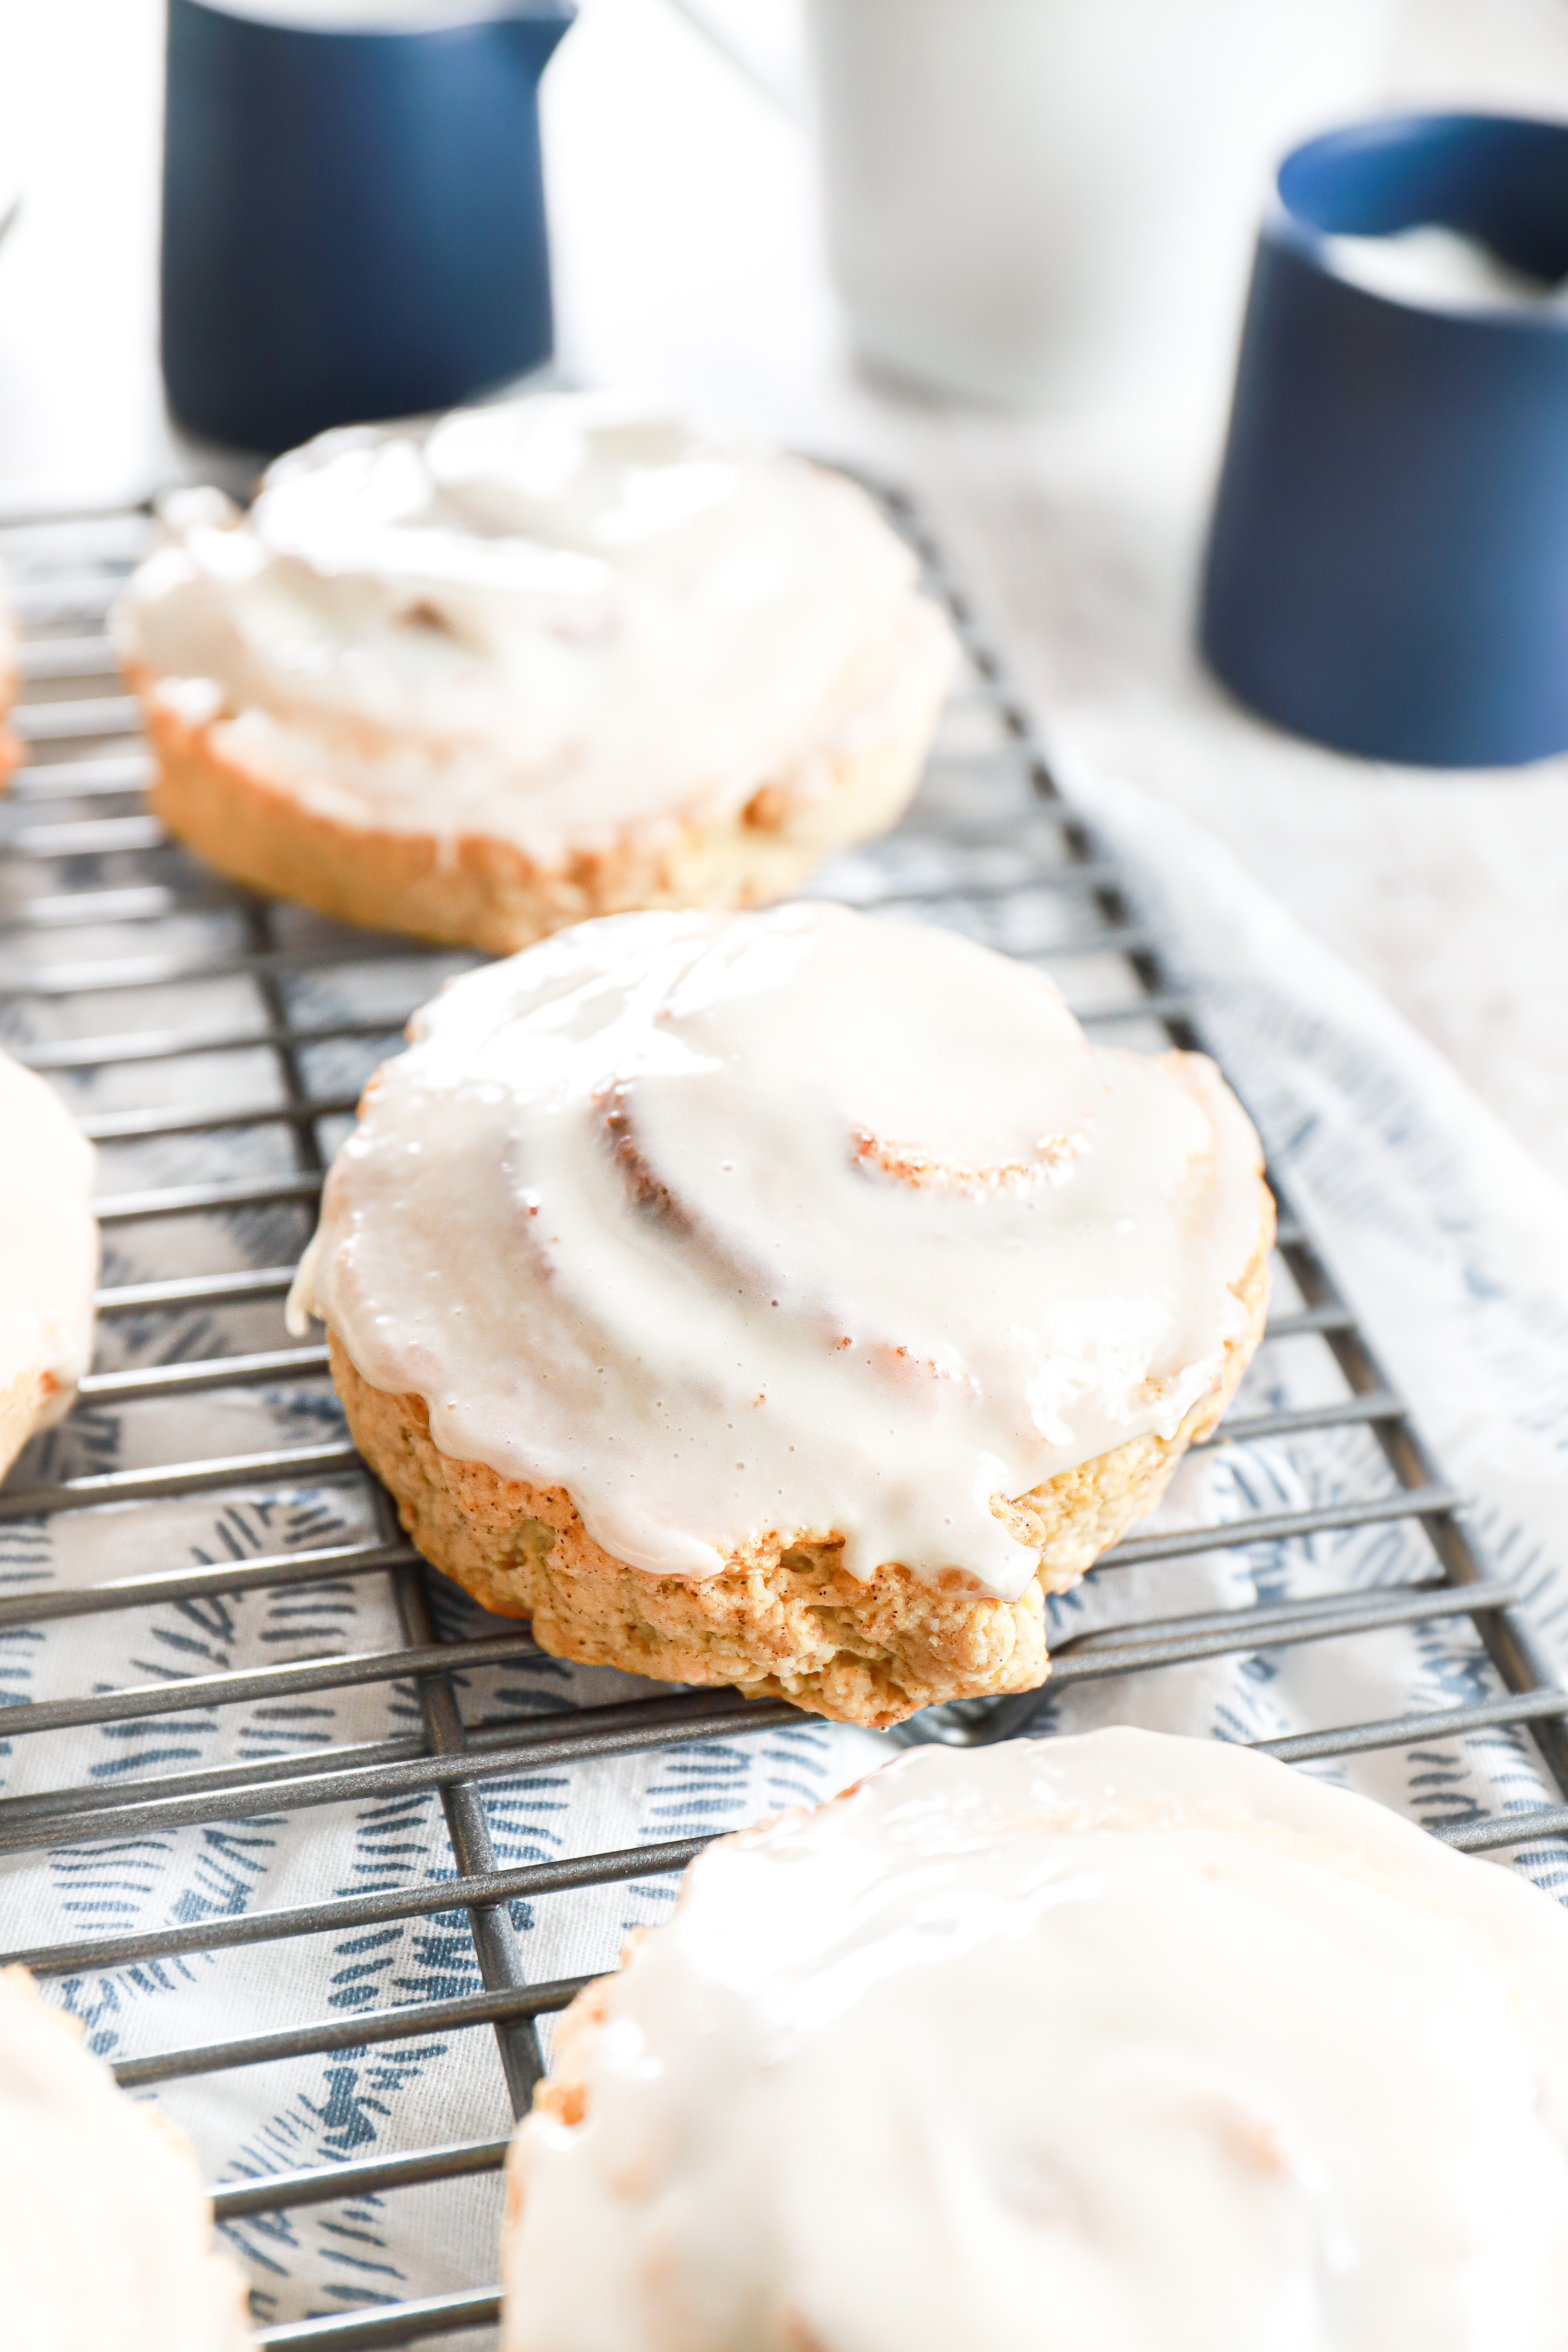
(540, 622)
(1120, 2041)
(795, 1222)
(105, 2232)
(48, 1242)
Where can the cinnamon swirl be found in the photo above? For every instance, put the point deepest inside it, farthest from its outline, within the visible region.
(786, 1299)
(1118, 2040)
(481, 676)
(48, 1258)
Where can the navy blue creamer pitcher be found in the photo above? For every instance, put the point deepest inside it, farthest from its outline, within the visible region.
(353, 219)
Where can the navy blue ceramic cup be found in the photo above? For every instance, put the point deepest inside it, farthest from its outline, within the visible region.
(353, 221)
(1387, 569)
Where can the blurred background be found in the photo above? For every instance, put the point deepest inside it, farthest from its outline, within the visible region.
(684, 213)
(689, 251)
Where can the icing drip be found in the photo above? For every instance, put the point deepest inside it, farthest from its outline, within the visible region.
(540, 621)
(795, 1225)
(1122, 2041)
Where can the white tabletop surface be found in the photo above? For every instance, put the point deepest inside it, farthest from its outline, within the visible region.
(687, 263)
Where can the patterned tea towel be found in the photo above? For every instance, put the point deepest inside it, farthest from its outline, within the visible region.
(1449, 1238)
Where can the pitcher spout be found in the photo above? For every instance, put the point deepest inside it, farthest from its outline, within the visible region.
(533, 28)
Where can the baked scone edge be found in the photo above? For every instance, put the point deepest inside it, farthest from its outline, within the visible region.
(785, 1620)
(482, 891)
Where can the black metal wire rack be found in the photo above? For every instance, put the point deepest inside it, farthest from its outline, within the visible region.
(989, 843)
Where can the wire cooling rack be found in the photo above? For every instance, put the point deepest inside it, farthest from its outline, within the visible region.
(105, 930)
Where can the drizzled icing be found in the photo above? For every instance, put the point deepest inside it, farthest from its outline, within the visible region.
(105, 2232)
(48, 1242)
(542, 621)
(794, 1223)
(1122, 2041)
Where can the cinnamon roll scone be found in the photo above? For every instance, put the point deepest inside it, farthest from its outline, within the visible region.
(787, 1299)
(10, 680)
(1121, 2040)
(49, 1257)
(479, 677)
(106, 2233)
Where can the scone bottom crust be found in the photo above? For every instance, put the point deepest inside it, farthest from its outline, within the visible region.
(784, 1619)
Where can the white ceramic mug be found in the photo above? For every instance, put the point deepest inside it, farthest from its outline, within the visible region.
(1032, 200)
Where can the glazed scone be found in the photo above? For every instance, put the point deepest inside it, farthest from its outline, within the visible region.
(49, 1257)
(1116, 2043)
(480, 678)
(10, 679)
(785, 1300)
(106, 2236)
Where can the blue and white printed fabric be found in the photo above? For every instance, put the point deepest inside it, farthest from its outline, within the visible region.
(357, 2102)
(1450, 1241)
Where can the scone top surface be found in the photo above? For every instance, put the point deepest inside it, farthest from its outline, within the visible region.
(1121, 2042)
(796, 1224)
(48, 1249)
(106, 2241)
(539, 622)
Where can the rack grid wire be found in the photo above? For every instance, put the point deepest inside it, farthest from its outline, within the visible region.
(988, 844)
